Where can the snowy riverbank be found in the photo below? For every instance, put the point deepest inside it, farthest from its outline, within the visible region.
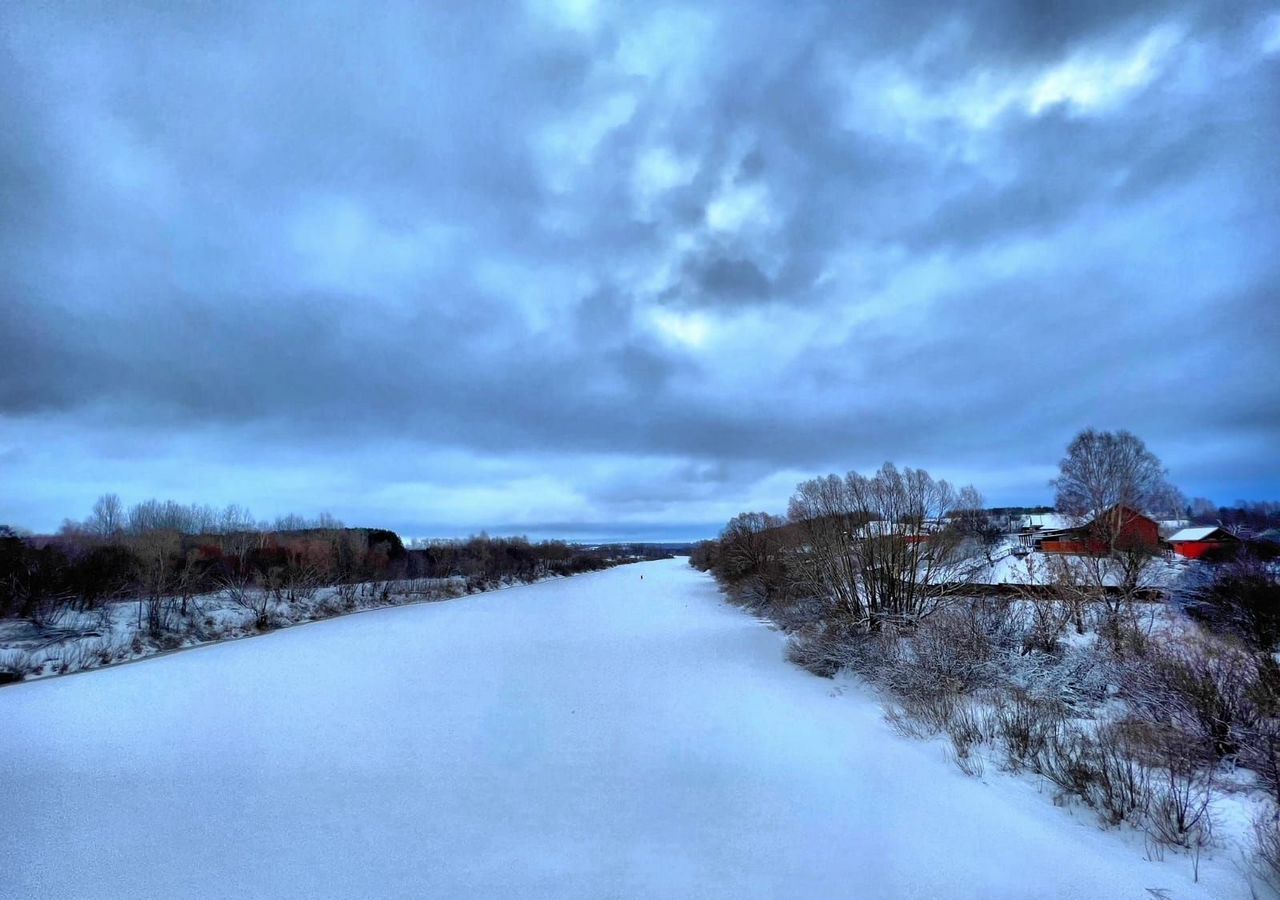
(600, 736)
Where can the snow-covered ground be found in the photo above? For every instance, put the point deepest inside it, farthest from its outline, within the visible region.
(115, 632)
(601, 736)
(1034, 567)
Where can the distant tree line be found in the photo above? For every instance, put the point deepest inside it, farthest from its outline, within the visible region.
(163, 553)
(1256, 516)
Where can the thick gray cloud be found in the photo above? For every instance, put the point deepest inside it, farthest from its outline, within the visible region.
(556, 266)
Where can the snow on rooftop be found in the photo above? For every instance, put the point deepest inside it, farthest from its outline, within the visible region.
(1194, 534)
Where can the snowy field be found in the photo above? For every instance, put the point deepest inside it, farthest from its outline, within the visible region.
(595, 737)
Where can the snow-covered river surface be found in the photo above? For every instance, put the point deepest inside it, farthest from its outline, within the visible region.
(602, 736)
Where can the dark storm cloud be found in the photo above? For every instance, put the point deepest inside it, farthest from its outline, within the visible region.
(631, 268)
(730, 277)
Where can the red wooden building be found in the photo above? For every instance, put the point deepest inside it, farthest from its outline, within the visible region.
(1119, 528)
(1194, 543)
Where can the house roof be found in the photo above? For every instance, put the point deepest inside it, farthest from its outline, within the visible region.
(879, 528)
(1128, 511)
(1194, 534)
(1045, 520)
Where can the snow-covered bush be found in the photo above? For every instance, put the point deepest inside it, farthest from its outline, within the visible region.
(953, 650)
(16, 665)
(1074, 675)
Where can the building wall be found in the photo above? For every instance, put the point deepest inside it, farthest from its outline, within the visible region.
(1136, 532)
(1198, 549)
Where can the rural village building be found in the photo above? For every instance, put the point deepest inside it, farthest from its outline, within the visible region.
(1194, 543)
(1120, 527)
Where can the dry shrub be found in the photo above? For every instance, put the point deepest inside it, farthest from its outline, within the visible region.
(1043, 620)
(346, 596)
(1097, 768)
(905, 723)
(329, 606)
(1122, 784)
(879, 657)
(795, 613)
(928, 715)
(1241, 597)
(1065, 760)
(1260, 740)
(1260, 752)
(1202, 686)
(934, 710)
(1023, 725)
(77, 656)
(815, 649)
(968, 761)
(1266, 835)
(951, 650)
(242, 591)
(15, 665)
(750, 593)
(1181, 808)
(966, 731)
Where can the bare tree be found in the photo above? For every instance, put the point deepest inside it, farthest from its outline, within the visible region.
(1204, 510)
(751, 557)
(1112, 583)
(157, 607)
(107, 519)
(974, 522)
(241, 590)
(1104, 469)
(235, 518)
(879, 549)
(1106, 480)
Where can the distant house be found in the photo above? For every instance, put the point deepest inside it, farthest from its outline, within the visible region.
(1046, 521)
(1193, 543)
(1038, 527)
(1118, 528)
(910, 533)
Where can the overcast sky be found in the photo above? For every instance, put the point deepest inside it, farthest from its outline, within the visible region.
(554, 267)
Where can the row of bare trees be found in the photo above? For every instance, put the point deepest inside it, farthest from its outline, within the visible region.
(163, 554)
(110, 518)
(896, 546)
(882, 549)
(890, 548)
